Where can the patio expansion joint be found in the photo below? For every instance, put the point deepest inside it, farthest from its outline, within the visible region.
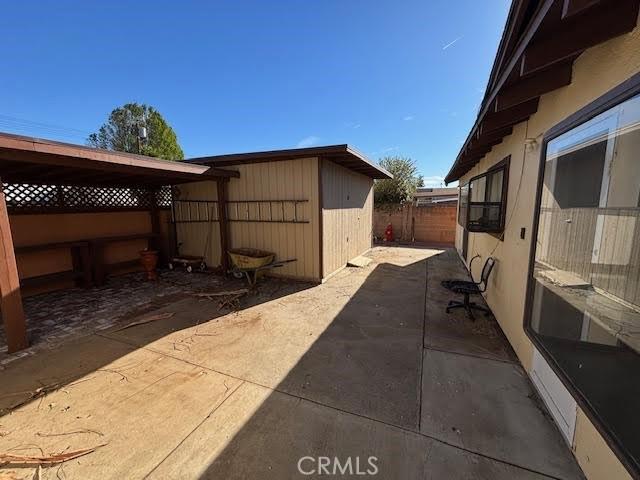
(320, 404)
(213, 410)
(479, 357)
(424, 332)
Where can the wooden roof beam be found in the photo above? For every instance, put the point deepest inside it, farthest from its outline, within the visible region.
(80, 164)
(22, 169)
(484, 148)
(40, 174)
(574, 7)
(532, 87)
(607, 20)
(490, 137)
(508, 117)
(518, 14)
(479, 151)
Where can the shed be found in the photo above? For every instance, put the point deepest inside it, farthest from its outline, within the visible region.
(314, 205)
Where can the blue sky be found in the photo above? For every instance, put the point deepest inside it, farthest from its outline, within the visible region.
(388, 77)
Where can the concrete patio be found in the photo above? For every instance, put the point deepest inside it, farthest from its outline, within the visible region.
(364, 365)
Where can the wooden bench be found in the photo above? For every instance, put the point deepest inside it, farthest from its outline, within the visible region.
(97, 246)
(80, 258)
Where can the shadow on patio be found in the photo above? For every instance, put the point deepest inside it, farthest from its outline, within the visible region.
(369, 390)
(365, 365)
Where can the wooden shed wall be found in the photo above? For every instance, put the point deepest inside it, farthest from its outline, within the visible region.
(201, 238)
(347, 215)
(282, 180)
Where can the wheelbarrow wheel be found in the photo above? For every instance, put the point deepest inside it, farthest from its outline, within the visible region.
(237, 274)
(189, 269)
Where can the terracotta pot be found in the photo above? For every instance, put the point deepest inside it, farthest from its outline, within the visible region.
(149, 261)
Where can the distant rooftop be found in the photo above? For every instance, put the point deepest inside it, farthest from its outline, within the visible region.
(436, 192)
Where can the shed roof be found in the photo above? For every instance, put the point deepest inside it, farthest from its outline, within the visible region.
(343, 155)
(38, 161)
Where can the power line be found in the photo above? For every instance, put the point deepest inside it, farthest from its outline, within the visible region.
(35, 131)
(26, 126)
(42, 124)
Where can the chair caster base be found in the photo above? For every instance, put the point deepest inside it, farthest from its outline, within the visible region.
(469, 307)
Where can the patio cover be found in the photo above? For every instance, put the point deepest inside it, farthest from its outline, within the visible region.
(37, 161)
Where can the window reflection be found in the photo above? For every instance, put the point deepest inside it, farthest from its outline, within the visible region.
(586, 295)
(588, 239)
(487, 195)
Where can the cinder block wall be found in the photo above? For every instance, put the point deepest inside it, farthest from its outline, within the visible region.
(434, 224)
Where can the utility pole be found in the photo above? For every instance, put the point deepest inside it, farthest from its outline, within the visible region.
(142, 136)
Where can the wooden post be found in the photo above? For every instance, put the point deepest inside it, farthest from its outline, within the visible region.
(320, 221)
(15, 324)
(223, 223)
(173, 230)
(155, 241)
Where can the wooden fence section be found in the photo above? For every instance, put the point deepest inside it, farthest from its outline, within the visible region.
(433, 224)
(599, 245)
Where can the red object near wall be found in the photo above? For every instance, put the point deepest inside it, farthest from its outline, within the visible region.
(388, 233)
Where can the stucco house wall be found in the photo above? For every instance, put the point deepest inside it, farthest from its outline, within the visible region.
(595, 72)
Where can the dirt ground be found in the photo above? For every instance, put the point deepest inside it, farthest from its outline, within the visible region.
(364, 370)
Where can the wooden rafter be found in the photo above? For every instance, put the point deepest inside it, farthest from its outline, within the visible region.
(579, 32)
(573, 7)
(541, 41)
(490, 137)
(534, 86)
(509, 116)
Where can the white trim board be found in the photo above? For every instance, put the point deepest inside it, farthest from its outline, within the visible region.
(559, 401)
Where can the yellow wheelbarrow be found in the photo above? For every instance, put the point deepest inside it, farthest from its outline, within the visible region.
(252, 263)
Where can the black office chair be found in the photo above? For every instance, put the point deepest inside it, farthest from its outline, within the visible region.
(467, 289)
(449, 284)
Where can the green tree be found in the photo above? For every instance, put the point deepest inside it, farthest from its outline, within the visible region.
(120, 133)
(404, 183)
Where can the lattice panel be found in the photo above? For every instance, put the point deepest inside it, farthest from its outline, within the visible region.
(164, 197)
(25, 198)
(29, 196)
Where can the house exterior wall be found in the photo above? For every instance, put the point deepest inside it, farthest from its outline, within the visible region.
(281, 180)
(347, 215)
(35, 229)
(594, 73)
